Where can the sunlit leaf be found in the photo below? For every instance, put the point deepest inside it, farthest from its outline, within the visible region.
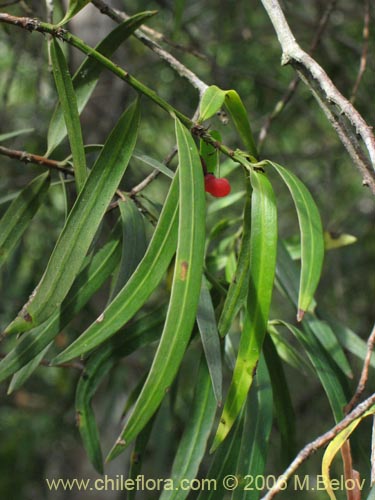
(185, 290)
(139, 287)
(312, 243)
(82, 224)
(263, 245)
(240, 119)
(334, 447)
(211, 102)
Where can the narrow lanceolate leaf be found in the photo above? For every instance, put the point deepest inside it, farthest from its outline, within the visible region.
(87, 283)
(209, 154)
(240, 119)
(283, 407)
(154, 164)
(193, 443)
(312, 241)
(334, 447)
(73, 8)
(133, 242)
(87, 385)
(144, 331)
(263, 244)
(224, 462)
(15, 133)
(139, 287)
(69, 108)
(210, 339)
(17, 217)
(20, 377)
(330, 375)
(237, 292)
(87, 75)
(185, 290)
(82, 224)
(211, 102)
(255, 435)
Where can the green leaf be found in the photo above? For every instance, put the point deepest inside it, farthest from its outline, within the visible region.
(282, 401)
(137, 456)
(287, 276)
(17, 217)
(263, 244)
(328, 339)
(193, 443)
(312, 242)
(15, 133)
(82, 224)
(133, 242)
(185, 290)
(210, 339)
(240, 119)
(91, 278)
(73, 8)
(94, 373)
(209, 154)
(69, 108)
(347, 338)
(87, 75)
(255, 435)
(154, 164)
(224, 462)
(211, 102)
(237, 292)
(329, 373)
(20, 377)
(140, 286)
(144, 331)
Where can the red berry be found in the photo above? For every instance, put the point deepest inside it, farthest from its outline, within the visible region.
(221, 188)
(217, 187)
(209, 180)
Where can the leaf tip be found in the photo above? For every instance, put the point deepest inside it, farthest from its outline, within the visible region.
(300, 315)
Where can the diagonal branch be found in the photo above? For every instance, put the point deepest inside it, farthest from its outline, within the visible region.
(174, 63)
(318, 443)
(317, 80)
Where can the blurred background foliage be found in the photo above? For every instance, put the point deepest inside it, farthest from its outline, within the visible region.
(230, 44)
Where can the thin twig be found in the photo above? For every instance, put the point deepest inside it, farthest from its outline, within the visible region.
(174, 63)
(293, 85)
(316, 78)
(10, 2)
(318, 443)
(26, 157)
(364, 375)
(363, 61)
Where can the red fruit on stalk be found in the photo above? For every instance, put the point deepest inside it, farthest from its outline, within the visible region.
(215, 186)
